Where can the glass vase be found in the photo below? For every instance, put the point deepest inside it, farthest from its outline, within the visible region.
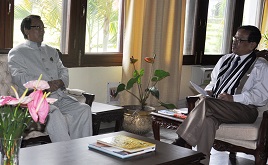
(10, 151)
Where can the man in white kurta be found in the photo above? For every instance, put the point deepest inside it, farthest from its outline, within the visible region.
(68, 119)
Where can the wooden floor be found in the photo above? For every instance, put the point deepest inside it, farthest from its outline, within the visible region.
(217, 158)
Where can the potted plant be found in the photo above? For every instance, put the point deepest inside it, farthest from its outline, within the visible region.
(138, 120)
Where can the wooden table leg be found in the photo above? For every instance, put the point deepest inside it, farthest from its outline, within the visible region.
(118, 125)
(96, 124)
(156, 128)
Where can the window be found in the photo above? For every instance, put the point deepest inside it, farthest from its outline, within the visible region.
(88, 32)
(102, 24)
(51, 14)
(219, 20)
(210, 25)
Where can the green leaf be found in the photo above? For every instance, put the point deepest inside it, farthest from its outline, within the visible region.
(131, 82)
(141, 72)
(135, 73)
(154, 91)
(120, 88)
(139, 75)
(159, 75)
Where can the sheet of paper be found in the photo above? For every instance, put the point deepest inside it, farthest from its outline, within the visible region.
(199, 89)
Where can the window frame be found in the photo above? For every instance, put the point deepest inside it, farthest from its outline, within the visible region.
(199, 58)
(76, 56)
(6, 19)
(76, 47)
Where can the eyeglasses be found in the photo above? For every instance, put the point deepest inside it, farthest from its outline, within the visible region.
(238, 39)
(38, 27)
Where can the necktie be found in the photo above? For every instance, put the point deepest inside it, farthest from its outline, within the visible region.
(233, 66)
(237, 59)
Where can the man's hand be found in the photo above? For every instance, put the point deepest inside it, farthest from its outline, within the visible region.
(226, 97)
(209, 93)
(55, 85)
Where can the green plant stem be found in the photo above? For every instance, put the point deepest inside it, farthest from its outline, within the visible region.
(139, 85)
(133, 95)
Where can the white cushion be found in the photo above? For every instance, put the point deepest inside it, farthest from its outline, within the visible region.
(244, 135)
(239, 131)
(251, 144)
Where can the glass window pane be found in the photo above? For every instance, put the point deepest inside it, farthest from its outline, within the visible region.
(51, 14)
(102, 26)
(215, 26)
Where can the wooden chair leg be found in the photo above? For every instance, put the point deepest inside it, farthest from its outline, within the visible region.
(232, 155)
(260, 159)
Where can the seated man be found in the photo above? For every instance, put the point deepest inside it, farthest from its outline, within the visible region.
(67, 119)
(235, 98)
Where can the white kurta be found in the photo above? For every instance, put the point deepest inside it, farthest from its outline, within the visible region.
(68, 119)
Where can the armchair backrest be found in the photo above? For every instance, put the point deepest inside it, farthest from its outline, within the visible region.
(5, 78)
(264, 54)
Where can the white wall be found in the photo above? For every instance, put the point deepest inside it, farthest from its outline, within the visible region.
(95, 79)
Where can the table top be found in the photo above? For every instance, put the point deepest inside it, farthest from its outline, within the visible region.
(77, 152)
(101, 107)
(166, 117)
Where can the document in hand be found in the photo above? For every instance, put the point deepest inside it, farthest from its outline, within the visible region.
(199, 89)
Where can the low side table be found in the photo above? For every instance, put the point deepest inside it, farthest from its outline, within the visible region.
(165, 121)
(106, 113)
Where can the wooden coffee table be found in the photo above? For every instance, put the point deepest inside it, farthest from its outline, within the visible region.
(165, 121)
(77, 152)
(106, 113)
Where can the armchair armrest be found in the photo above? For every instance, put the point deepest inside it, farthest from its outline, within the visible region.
(263, 132)
(191, 102)
(89, 98)
(81, 95)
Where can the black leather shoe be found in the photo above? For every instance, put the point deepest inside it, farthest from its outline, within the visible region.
(180, 142)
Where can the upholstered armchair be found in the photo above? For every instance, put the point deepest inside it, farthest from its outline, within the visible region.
(247, 138)
(35, 134)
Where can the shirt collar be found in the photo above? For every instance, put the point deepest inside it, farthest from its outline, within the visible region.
(243, 56)
(32, 44)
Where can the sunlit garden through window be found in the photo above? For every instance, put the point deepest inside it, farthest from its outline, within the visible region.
(102, 26)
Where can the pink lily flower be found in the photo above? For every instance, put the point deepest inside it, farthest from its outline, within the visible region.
(37, 84)
(9, 100)
(38, 107)
(6, 99)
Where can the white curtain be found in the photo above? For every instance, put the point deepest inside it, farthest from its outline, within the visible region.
(154, 26)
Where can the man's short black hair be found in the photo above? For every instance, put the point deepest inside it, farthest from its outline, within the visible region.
(26, 24)
(254, 33)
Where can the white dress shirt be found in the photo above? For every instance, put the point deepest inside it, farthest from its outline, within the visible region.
(255, 90)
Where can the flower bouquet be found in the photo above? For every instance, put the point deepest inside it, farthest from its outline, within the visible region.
(17, 113)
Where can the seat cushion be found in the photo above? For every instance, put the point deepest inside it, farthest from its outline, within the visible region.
(251, 144)
(239, 131)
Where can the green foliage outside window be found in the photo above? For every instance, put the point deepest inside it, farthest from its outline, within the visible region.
(101, 23)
